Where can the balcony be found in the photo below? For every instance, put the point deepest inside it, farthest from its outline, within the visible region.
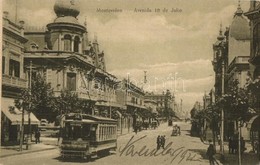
(94, 95)
(14, 81)
(240, 60)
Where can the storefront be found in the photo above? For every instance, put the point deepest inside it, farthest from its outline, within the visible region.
(11, 121)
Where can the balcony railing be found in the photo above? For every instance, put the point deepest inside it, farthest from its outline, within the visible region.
(240, 60)
(14, 81)
(94, 95)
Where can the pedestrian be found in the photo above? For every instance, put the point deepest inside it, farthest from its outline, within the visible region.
(135, 129)
(37, 136)
(230, 145)
(163, 141)
(211, 151)
(158, 141)
(242, 143)
(235, 145)
(179, 130)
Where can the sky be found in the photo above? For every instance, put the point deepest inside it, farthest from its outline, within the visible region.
(174, 48)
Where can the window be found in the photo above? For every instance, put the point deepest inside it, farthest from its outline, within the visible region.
(256, 41)
(14, 68)
(3, 64)
(71, 81)
(67, 42)
(76, 44)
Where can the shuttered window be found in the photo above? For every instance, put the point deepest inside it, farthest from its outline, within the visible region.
(71, 81)
(14, 68)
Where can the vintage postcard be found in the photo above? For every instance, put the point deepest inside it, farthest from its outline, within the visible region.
(140, 82)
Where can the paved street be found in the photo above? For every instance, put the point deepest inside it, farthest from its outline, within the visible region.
(181, 150)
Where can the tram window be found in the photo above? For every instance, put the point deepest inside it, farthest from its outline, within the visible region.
(93, 133)
(72, 132)
(86, 132)
(76, 132)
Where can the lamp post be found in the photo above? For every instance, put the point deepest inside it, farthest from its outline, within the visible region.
(22, 129)
(30, 102)
(239, 143)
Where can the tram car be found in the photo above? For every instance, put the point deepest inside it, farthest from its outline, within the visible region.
(87, 136)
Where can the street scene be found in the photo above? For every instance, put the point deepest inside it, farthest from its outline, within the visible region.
(130, 82)
(185, 150)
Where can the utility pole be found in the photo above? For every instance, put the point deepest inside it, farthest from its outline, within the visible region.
(145, 79)
(239, 143)
(22, 129)
(181, 105)
(30, 103)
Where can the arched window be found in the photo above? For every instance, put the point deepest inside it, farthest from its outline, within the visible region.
(76, 44)
(67, 42)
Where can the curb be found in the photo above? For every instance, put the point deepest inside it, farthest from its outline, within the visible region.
(28, 152)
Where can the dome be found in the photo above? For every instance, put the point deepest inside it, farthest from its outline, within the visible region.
(66, 19)
(66, 8)
(239, 29)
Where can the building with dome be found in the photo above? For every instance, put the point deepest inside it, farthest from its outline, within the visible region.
(238, 38)
(230, 62)
(63, 54)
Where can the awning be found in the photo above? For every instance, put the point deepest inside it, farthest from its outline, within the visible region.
(15, 116)
(249, 124)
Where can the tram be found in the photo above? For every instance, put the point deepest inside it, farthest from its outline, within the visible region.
(87, 136)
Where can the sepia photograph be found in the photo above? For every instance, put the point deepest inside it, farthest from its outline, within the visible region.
(134, 82)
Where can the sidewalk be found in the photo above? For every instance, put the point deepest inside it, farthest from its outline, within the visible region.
(248, 158)
(47, 144)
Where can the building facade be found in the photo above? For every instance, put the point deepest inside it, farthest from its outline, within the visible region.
(67, 60)
(13, 81)
(238, 38)
(254, 17)
(165, 103)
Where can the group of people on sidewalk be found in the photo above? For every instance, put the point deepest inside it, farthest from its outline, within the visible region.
(233, 145)
(160, 141)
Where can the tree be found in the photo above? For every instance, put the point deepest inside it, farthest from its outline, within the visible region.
(41, 99)
(236, 101)
(69, 102)
(253, 89)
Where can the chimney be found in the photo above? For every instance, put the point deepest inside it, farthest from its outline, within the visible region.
(21, 24)
(5, 14)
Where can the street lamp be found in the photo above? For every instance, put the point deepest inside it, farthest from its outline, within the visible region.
(22, 129)
(30, 102)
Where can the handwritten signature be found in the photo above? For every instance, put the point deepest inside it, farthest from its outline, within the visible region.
(130, 150)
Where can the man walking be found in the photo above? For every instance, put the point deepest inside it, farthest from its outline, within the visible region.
(163, 141)
(210, 153)
(37, 136)
(158, 141)
(135, 129)
(230, 145)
